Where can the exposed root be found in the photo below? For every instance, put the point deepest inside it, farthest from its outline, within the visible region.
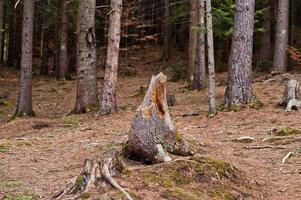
(94, 171)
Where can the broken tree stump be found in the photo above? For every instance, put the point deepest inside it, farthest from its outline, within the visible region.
(95, 171)
(291, 97)
(152, 133)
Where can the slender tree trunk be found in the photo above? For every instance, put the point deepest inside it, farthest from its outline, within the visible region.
(24, 107)
(44, 66)
(12, 35)
(63, 59)
(87, 92)
(211, 65)
(265, 48)
(166, 23)
(281, 40)
(108, 101)
(1, 27)
(192, 44)
(199, 74)
(239, 89)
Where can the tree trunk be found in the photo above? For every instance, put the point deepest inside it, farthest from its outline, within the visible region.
(166, 23)
(87, 92)
(108, 101)
(239, 89)
(24, 107)
(198, 72)
(211, 65)
(63, 57)
(44, 67)
(291, 96)
(192, 45)
(152, 132)
(281, 40)
(1, 27)
(265, 48)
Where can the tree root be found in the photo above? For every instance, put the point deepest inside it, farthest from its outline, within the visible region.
(94, 171)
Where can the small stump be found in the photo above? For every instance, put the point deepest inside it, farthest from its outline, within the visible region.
(291, 97)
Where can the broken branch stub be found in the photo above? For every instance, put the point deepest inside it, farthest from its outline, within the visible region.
(152, 131)
(291, 96)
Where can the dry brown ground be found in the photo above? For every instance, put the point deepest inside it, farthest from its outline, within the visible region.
(36, 162)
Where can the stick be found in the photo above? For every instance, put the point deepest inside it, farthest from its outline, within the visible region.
(265, 147)
(287, 156)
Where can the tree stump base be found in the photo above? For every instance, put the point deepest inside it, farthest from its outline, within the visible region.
(291, 97)
(94, 171)
(152, 133)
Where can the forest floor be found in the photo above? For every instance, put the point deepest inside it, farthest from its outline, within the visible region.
(38, 155)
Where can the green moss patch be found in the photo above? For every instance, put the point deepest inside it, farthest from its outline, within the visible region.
(286, 131)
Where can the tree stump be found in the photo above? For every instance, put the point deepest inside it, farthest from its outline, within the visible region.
(94, 171)
(152, 132)
(291, 96)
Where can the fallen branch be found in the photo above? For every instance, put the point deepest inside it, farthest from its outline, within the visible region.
(265, 147)
(287, 156)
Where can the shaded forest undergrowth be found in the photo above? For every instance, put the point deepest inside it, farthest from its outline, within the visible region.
(38, 155)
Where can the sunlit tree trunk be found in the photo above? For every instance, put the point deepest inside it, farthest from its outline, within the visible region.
(239, 89)
(281, 40)
(87, 92)
(24, 107)
(211, 66)
(108, 100)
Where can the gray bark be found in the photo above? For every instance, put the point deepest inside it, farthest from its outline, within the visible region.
(1, 28)
(281, 40)
(198, 71)
(63, 57)
(239, 89)
(211, 65)
(192, 44)
(265, 48)
(24, 107)
(108, 101)
(166, 26)
(291, 96)
(152, 132)
(87, 92)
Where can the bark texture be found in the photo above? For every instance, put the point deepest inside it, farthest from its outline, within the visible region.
(87, 93)
(211, 65)
(239, 89)
(198, 71)
(1, 27)
(24, 107)
(101, 169)
(281, 40)
(192, 44)
(166, 42)
(108, 101)
(63, 57)
(291, 96)
(265, 39)
(152, 132)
